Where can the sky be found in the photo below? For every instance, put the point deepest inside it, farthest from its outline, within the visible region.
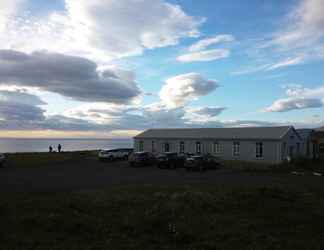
(113, 68)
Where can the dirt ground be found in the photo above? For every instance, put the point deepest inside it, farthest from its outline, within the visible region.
(90, 174)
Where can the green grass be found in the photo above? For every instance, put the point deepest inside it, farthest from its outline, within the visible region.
(45, 159)
(163, 218)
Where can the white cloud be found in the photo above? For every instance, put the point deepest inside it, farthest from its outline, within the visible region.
(302, 37)
(204, 56)
(305, 26)
(8, 11)
(286, 62)
(298, 98)
(204, 43)
(103, 29)
(283, 105)
(180, 89)
(298, 40)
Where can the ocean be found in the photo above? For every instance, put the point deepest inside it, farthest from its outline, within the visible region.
(42, 145)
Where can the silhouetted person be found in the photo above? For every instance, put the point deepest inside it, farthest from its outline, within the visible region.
(50, 149)
(59, 148)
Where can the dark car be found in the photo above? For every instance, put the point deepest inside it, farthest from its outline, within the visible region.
(141, 159)
(170, 160)
(2, 159)
(201, 162)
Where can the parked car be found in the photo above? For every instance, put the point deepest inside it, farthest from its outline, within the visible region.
(2, 159)
(141, 159)
(113, 154)
(170, 160)
(201, 162)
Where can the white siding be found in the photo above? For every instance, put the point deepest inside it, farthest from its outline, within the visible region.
(271, 149)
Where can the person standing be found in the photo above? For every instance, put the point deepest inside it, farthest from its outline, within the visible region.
(50, 149)
(59, 148)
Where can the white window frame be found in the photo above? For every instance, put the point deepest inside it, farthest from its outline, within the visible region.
(259, 150)
(141, 146)
(216, 148)
(236, 148)
(198, 148)
(164, 147)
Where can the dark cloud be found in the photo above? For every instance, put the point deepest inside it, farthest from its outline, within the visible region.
(209, 111)
(69, 76)
(20, 97)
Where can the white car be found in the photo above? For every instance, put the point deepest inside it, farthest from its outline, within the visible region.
(2, 159)
(114, 154)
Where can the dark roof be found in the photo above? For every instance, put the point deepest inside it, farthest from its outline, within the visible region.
(270, 133)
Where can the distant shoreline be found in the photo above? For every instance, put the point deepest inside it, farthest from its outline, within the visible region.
(19, 145)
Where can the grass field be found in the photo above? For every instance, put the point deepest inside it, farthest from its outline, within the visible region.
(23, 160)
(164, 218)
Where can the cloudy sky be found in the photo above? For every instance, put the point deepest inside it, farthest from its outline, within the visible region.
(111, 68)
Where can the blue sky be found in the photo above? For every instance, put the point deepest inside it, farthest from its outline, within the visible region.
(113, 68)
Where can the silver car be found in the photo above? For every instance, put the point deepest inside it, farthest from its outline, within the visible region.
(114, 154)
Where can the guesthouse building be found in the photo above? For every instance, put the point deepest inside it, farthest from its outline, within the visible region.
(254, 144)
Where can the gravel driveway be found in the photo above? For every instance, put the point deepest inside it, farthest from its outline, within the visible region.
(90, 174)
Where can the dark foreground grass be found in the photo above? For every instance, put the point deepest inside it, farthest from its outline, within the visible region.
(163, 218)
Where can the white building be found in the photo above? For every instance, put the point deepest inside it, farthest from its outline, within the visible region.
(258, 144)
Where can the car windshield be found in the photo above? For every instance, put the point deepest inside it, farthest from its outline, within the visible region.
(106, 151)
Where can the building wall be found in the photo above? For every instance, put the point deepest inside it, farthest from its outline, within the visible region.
(291, 146)
(271, 149)
(319, 138)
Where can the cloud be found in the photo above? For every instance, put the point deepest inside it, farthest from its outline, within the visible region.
(103, 29)
(181, 89)
(286, 62)
(207, 111)
(298, 98)
(69, 76)
(299, 39)
(204, 43)
(204, 56)
(8, 10)
(304, 28)
(20, 97)
(99, 119)
(283, 105)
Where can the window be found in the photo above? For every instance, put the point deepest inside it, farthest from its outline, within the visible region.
(259, 150)
(141, 146)
(166, 147)
(182, 147)
(153, 146)
(236, 149)
(298, 148)
(198, 147)
(216, 148)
